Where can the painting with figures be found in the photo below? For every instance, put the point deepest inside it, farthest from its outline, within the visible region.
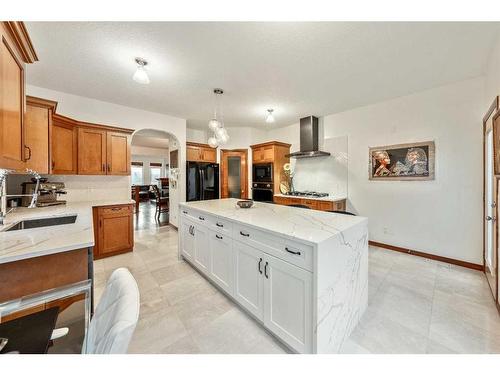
(411, 161)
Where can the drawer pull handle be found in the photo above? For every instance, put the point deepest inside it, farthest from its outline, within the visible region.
(219, 237)
(292, 252)
(184, 212)
(244, 234)
(265, 270)
(260, 269)
(116, 208)
(220, 225)
(201, 218)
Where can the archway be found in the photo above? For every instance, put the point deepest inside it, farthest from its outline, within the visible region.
(154, 177)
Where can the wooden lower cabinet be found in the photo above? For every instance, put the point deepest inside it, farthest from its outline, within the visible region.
(314, 204)
(113, 230)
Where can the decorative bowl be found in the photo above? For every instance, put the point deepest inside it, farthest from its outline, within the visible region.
(245, 204)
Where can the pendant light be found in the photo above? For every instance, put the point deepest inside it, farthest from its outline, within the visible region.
(216, 124)
(140, 75)
(270, 117)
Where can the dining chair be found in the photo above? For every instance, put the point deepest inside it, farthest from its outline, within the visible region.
(162, 203)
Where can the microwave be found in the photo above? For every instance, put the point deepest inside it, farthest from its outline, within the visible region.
(263, 172)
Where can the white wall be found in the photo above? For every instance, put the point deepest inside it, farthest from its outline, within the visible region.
(442, 216)
(91, 110)
(492, 75)
(196, 135)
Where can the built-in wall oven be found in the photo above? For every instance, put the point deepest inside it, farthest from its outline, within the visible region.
(263, 172)
(262, 191)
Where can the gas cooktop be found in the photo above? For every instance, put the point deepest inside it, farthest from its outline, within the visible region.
(312, 194)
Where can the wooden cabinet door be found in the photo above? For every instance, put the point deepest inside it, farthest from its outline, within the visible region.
(187, 239)
(268, 154)
(209, 155)
(222, 261)
(11, 104)
(37, 138)
(257, 155)
(248, 288)
(64, 147)
(325, 205)
(118, 153)
(288, 303)
(91, 151)
(115, 230)
(193, 153)
(201, 249)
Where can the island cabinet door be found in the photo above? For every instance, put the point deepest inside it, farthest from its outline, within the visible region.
(288, 303)
(201, 249)
(187, 239)
(222, 270)
(249, 271)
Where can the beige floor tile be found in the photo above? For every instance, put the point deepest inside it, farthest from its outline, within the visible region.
(172, 272)
(187, 287)
(184, 345)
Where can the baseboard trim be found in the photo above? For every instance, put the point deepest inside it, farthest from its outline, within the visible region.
(474, 266)
(173, 226)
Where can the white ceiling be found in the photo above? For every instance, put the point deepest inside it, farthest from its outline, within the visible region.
(296, 68)
(151, 138)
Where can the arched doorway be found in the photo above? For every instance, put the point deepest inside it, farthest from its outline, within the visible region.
(154, 174)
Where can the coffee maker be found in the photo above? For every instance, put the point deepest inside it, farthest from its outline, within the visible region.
(48, 193)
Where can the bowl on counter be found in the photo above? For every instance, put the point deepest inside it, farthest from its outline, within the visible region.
(245, 203)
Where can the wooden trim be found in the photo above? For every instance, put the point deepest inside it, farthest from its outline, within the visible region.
(40, 102)
(194, 144)
(270, 143)
(439, 258)
(493, 107)
(19, 34)
(73, 122)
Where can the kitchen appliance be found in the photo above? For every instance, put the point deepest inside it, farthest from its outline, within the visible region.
(262, 191)
(48, 193)
(309, 139)
(202, 181)
(307, 194)
(262, 172)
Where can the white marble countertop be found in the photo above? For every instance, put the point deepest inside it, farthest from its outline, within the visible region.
(29, 243)
(312, 226)
(330, 198)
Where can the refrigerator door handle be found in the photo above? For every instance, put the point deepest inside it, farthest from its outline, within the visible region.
(202, 188)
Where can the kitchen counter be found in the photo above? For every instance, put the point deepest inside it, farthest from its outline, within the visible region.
(306, 225)
(330, 198)
(29, 243)
(302, 273)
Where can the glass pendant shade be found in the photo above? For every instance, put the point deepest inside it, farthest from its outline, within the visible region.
(212, 142)
(140, 75)
(214, 124)
(270, 117)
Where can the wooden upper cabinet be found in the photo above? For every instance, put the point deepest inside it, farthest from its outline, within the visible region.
(118, 153)
(15, 51)
(64, 146)
(200, 152)
(38, 126)
(269, 152)
(92, 156)
(263, 154)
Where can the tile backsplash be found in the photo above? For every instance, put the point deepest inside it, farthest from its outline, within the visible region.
(81, 188)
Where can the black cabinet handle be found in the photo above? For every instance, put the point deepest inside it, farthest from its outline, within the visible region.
(244, 234)
(265, 270)
(260, 269)
(201, 218)
(220, 225)
(292, 252)
(219, 237)
(184, 212)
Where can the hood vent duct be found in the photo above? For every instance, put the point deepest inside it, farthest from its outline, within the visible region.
(309, 136)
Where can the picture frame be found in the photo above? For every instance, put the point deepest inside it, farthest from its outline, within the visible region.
(402, 162)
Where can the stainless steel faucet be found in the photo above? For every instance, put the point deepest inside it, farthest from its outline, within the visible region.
(4, 196)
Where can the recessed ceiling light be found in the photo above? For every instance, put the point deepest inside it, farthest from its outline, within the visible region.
(140, 75)
(270, 117)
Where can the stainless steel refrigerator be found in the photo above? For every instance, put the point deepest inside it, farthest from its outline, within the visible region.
(202, 181)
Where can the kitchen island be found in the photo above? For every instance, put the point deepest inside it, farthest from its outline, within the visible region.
(302, 273)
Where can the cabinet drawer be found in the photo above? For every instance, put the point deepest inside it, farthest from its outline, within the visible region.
(115, 210)
(220, 225)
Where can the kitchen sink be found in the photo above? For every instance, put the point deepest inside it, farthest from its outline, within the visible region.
(47, 222)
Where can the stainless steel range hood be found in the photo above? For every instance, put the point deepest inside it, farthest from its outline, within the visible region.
(309, 145)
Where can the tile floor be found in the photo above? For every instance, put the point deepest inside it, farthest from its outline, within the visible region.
(416, 306)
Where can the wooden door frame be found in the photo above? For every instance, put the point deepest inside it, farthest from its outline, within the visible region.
(493, 110)
(243, 152)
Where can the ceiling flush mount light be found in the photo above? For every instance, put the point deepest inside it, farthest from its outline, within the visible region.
(270, 116)
(216, 124)
(140, 75)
